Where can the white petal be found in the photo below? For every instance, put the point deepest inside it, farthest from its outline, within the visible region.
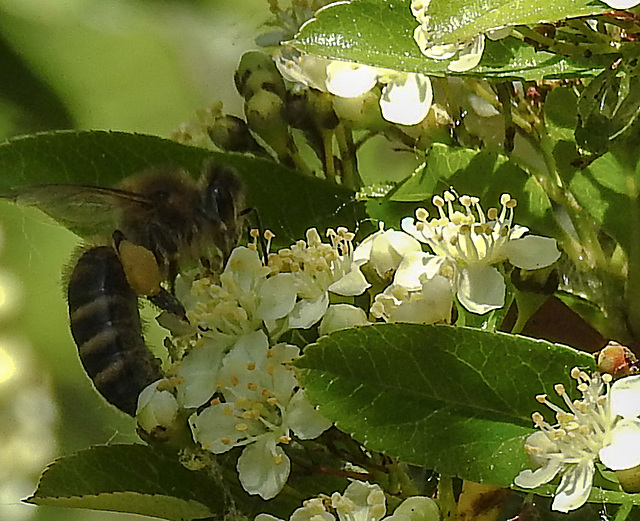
(213, 425)
(625, 397)
(306, 69)
(307, 312)
(414, 265)
(360, 501)
(401, 242)
(407, 102)
(305, 421)
(198, 372)
(156, 408)
(623, 452)
(263, 468)
(350, 80)
(621, 4)
(574, 487)
(532, 252)
(533, 479)
(385, 250)
(266, 517)
(352, 284)
(481, 288)
(342, 316)
(469, 56)
(418, 508)
(277, 296)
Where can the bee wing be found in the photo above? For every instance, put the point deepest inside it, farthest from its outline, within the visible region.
(85, 210)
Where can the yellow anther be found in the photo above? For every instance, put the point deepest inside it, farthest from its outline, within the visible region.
(422, 214)
(242, 427)
(505, 198)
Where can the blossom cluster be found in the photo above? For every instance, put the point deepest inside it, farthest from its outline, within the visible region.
(233, 379)
(361, 501)
(604, 425)
(405, 99)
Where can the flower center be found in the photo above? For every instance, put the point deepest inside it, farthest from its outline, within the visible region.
(470, 235)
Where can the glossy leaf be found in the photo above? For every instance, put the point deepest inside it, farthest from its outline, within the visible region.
(380, 33)
(602, 189)
(462, 20)
(480, 173)
(287, 203)
(130, 478)
(452, 399)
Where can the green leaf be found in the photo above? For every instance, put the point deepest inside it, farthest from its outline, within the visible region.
(602, 189)
(130, 478)
(458, 21)
(380, 34)
(452, 399)
(483, 174)
(288, 203)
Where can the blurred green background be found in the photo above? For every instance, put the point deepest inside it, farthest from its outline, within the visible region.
(142, 66)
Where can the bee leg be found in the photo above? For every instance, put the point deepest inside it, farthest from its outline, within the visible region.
(144, 275)
(169, 303)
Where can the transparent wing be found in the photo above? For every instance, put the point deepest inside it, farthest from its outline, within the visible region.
(85, 210)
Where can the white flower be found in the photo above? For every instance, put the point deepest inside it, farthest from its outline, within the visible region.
(467, 245)
(361, 501)
(319, 268)
(621, 4)
(197, 373)
(157, 409)
(384, 250)
(603, 425)
(248, 297)
(341, 316)
(406, 96)
(259, 407)
(428, 303)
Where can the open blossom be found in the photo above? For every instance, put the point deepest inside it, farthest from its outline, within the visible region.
(419, 298)
(319, 268)
(468, 243)
(384, 250)
(361, 501)
(406, 97)
(246, 298)
(258, 408)
(603, 425)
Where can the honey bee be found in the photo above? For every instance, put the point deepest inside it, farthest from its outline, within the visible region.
(160, 221)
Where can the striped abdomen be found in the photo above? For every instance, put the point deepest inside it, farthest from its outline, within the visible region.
(105, 324)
